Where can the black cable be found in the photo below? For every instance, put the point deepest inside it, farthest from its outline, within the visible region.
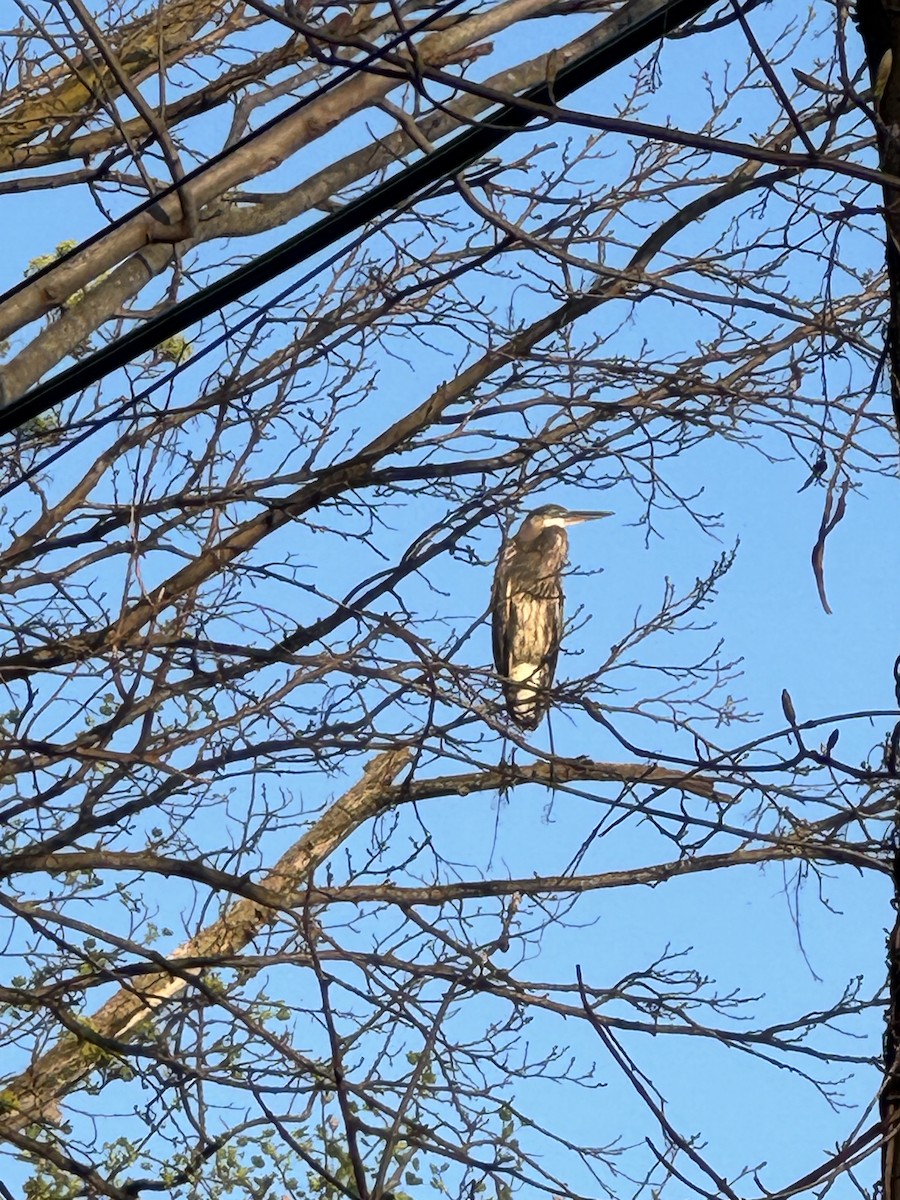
(130, 406)
(352, 70)
(472, 144)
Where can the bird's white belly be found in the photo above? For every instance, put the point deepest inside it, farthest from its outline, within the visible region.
(530, 645)
(523, 671)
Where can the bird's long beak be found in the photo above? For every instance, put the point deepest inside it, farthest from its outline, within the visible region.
(575, 518)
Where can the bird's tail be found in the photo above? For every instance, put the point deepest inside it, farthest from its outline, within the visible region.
(526, 695)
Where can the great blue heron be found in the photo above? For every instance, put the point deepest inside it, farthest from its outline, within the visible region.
(527, 609)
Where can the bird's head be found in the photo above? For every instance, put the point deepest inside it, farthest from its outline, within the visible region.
(554, 515)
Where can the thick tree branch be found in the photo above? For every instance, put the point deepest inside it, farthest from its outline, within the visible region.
(33, 1095)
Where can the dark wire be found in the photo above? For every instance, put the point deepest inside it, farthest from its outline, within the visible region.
(261, 313)
(351, 71)
(447, 160)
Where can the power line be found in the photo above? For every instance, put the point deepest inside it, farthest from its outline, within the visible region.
(352, 70)
(639, 25)
(257, 315)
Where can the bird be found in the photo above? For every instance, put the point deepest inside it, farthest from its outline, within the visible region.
(527, 609)
(816, 471)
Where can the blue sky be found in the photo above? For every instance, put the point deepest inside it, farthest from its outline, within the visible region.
(738, 926)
